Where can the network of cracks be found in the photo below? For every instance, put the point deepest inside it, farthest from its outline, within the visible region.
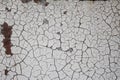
(59, 40)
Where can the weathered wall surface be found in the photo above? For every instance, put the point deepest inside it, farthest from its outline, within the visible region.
(60, 40)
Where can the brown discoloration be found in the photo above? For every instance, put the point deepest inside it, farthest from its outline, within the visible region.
(7, 32)
(6, 72)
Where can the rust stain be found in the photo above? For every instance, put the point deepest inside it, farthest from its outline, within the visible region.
(7, 32)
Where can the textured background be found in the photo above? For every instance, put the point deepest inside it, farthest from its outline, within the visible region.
(61, 40)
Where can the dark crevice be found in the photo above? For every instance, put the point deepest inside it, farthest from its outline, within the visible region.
(69, 50)
(6, 72)
(25, 1)
(58, 33)
(7, 32)
(45, 21)
(46, 4)
(118, 46)
(93, 0)
(36, 1)
(65, 12)
(7, 9)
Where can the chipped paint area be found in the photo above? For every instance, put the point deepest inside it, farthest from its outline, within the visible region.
(59, 40)
(7, 32)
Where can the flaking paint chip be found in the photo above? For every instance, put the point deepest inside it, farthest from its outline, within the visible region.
(7, 32)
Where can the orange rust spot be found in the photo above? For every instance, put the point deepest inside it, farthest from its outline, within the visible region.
(7, 32)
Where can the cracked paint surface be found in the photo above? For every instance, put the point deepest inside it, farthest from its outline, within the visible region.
(65, 40)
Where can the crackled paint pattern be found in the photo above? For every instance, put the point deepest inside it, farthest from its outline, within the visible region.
(65, 40)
